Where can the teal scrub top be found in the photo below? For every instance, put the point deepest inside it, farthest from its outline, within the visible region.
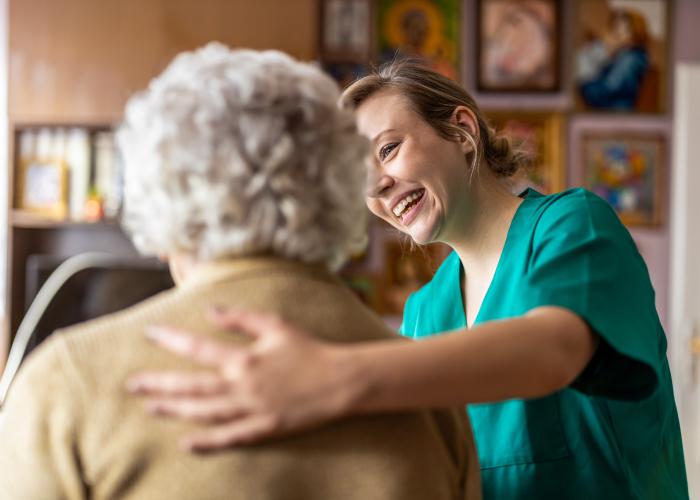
(612, 434)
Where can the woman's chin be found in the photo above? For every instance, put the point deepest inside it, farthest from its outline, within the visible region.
(422, 234)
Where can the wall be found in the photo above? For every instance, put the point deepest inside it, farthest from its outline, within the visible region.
(79, 60)
(687, 36)
(4, 156)
(685, 268)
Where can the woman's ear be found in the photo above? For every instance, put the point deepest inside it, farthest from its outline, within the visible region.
(465, 119)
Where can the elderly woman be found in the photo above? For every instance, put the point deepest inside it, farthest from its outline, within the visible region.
(244, 174)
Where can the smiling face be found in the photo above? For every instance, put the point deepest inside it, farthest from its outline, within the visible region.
(418, 180)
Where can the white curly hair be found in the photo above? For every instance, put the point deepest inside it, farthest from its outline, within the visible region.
(242, 152)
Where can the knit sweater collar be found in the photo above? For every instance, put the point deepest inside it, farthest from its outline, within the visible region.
(210, 272)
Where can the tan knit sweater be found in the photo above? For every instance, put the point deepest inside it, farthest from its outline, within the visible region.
(70, 431)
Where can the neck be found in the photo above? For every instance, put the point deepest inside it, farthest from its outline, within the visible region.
(482, 235)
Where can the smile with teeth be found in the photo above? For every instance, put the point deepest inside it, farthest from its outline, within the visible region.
(403, 206)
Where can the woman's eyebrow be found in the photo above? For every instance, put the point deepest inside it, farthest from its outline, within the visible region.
(386, 131)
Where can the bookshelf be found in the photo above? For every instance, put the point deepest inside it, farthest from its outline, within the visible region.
(25, 220)
(61, 170)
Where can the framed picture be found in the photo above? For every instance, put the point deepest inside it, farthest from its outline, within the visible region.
(43, 187)
(517, 45)
(345, 30)
(406, 269)
(628, 170)
(541, 136)
(427, 30)
(620, 58)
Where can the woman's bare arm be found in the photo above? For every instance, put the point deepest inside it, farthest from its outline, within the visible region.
(527, 357)
(286, 381)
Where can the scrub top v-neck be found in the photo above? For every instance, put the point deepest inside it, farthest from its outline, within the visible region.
(614, 433)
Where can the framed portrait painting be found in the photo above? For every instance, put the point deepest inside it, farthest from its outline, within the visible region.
(628, 170)
(540, 135)
(620, 55)
(517, 47)
(427, 30)
(345, 30)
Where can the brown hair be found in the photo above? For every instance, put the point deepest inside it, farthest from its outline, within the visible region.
(435, 97)
(637, 25)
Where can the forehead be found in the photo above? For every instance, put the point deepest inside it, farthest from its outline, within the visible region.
(384, 110)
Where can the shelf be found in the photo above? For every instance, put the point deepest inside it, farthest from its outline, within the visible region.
(26, 220)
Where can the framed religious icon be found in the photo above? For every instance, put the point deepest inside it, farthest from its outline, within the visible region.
(628, 170)
(425, 30)
(345, 30)
(620, 55)
(517, 47)
(43, 188)
(406, 268)
(540, 136)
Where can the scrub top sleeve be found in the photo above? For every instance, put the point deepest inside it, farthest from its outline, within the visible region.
(407, 328)
(583, 259)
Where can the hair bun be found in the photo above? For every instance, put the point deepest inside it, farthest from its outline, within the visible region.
(503, 157)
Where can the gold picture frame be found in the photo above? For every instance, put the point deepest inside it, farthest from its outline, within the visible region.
(518, 45)
(621, 55)
(43, 188)
(541, 135)
(425, 30)
(628, 169)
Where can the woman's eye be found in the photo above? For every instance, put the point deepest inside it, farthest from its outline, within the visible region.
(386, 150)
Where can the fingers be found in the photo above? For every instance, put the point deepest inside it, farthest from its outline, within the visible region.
(208, 410)
(238, 432)
(177, 384)
(252, 323)
(204, 351)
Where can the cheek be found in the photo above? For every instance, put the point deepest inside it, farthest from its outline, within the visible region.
(375, 207)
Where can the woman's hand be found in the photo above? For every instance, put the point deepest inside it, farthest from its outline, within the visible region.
(283, 381)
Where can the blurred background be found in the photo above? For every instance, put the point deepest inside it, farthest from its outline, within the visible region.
(603, 93)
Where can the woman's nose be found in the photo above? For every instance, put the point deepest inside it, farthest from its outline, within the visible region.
(378, 183)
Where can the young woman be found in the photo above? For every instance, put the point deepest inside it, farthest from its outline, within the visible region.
(542, 320)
